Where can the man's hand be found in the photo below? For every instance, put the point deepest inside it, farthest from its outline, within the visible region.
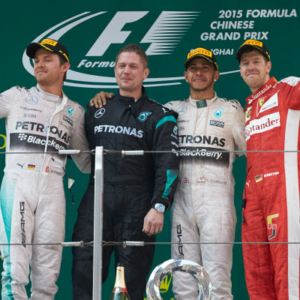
(100, 99)
(153, 222)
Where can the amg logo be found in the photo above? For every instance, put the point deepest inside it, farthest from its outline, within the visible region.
(217, 123)
(22, 222)
(180, 245)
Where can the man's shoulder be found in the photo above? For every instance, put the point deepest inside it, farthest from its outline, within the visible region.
(291, 80)
(19, 90)
(111, 105)
(16, 93)
(75, 105)
(229, 104)
(176, 103)
(158, 109)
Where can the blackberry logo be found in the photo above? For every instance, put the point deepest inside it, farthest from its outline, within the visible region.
(23, 137)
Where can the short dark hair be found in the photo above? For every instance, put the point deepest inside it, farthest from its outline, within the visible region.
(62, 62)
(137, 50)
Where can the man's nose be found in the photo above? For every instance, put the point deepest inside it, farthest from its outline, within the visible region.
(198, 71)
(40, 63)
(126, 69)
(250, 65)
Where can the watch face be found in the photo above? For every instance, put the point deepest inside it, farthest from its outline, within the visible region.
(160, 207)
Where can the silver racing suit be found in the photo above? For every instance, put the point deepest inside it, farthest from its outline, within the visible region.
(204, 201)
(32, 200)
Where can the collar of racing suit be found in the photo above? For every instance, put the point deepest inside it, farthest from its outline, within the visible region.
(51, 97)
(135, 104)
(208, 101)
(269, 84)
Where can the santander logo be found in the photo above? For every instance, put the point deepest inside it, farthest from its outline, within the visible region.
(263, 124)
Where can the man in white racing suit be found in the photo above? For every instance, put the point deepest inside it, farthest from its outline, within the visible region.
(204, 208)
(32, 200)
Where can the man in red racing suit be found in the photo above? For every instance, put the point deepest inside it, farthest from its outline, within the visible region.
(271, 202)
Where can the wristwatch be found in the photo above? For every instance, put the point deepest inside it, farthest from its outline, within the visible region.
(159, 208)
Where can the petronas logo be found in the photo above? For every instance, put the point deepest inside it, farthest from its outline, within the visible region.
(164, 287)
(218, 113)
(144, 115)
(175, 130)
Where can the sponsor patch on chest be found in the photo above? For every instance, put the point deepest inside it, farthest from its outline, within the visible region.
(201, 103)
(272, 102)
(119, 130)
(217, 123)
(68, 120)
(263, 124)
(248, 114)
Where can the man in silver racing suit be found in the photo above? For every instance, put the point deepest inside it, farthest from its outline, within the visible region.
(32, 200)
(204, 209)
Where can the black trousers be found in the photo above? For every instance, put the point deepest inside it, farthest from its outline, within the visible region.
(125, 207)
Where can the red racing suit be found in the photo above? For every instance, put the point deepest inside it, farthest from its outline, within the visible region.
(271, 205)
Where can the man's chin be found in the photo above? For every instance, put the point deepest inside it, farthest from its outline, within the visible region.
(125, 87)
(199, 88)
(41, 81)
(253, 82)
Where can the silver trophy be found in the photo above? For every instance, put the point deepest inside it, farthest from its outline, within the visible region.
(182, 265)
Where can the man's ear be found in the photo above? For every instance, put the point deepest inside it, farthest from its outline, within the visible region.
(216, 76)
(66, 66)
(185, 76)
(269, 66)
(146, 73)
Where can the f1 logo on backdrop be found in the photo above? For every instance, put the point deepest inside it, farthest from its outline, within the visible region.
(161, 38)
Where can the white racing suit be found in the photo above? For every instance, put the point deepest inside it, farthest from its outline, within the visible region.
(204, 201)
(32, 200)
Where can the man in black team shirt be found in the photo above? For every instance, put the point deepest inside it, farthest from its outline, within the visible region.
(137, 189)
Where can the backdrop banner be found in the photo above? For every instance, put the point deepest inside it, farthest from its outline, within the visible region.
(94, 31)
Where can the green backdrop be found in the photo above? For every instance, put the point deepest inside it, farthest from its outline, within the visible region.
(95, 30)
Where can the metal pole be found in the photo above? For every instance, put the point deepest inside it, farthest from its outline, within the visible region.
(98, 225)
